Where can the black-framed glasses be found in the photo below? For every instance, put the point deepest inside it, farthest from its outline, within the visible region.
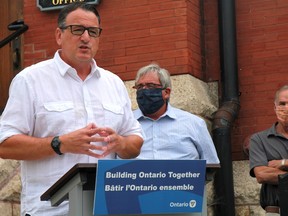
(147, 86)
(79, 30)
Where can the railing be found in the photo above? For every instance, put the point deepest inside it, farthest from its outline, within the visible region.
(20, 28)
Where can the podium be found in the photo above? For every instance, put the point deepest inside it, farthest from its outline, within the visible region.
(78, 186)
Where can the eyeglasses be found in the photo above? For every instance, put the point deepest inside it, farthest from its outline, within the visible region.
(79, 30)
(147, 86)
(282, 103)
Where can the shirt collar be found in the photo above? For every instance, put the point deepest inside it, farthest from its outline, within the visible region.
(169, 113)
(272, 131)
(63, 67)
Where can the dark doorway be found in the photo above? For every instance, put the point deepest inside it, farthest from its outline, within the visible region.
(11, 53)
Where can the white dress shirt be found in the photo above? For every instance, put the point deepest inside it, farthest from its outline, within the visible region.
(49, 99)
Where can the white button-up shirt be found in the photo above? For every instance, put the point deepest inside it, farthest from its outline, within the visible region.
(49, 99)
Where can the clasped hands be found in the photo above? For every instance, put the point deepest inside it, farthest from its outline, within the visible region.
(279, 164)
(90, 138)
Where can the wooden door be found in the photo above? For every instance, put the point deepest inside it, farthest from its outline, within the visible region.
(10, 11)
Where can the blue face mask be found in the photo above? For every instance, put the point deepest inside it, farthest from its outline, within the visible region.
(150, 100)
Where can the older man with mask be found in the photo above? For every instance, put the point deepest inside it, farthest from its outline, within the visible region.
(171, 133)
(268, 152)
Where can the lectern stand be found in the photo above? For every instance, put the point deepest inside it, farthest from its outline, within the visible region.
(77, 186)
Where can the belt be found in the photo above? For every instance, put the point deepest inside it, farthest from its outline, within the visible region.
(272, 209)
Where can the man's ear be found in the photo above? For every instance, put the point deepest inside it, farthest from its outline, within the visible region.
(58, 36)
(167, 92)
(275, 107)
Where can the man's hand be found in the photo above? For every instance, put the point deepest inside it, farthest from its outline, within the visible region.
(275, 163)
(100, 142)
(83, 141)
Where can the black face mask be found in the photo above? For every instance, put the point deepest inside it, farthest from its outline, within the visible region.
(150, 100)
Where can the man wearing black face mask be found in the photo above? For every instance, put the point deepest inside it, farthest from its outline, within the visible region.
(171, 133)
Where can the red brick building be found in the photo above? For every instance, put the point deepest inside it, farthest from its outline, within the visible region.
(182, 36)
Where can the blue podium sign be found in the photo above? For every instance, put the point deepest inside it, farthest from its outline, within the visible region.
(149, 186)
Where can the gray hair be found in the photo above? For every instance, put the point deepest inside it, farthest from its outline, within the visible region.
(283, 88)
(162, 74)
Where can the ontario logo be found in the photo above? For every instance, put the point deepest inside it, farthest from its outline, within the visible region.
(191, 204)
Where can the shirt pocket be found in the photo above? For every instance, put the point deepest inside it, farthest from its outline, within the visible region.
(114, 115)
(59, 117)
(58, 106)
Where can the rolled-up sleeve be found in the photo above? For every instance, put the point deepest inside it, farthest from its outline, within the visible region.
(18, 113)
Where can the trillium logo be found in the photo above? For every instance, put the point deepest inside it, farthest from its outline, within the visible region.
(192, 203)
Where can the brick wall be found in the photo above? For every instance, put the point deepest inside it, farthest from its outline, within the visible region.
(262, 55)
(138, 32)
(135, 33)
(262, 36)
(210, 40)
(39, 40)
